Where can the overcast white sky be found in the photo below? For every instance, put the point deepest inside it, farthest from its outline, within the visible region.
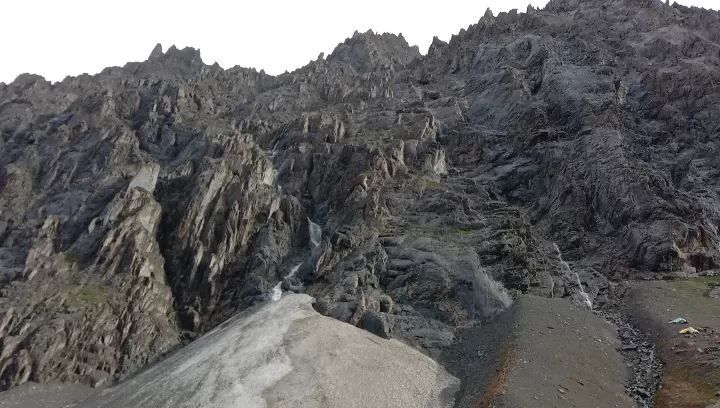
(55, 38)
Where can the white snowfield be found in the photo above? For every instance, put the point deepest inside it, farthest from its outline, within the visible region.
(285, 354)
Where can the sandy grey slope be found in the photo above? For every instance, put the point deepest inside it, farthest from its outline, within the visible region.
(287, 355)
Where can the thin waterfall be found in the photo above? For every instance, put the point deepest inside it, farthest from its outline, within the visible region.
(586, 297)
(315, 233)
(276, 292)
(277, 289)
(315, 237)
(293, 271)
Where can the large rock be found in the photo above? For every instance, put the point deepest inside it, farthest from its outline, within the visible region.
(285, 354)
(376, 323)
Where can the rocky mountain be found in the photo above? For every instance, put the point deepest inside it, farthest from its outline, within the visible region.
(553, 152)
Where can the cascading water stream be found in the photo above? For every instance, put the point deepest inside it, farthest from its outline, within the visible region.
(277, 290)
(315, 237)
(315, 233)
(586, 297)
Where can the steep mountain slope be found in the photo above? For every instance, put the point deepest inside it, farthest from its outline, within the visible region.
(147, 204)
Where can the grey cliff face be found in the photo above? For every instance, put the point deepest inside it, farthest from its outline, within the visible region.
(147, 204)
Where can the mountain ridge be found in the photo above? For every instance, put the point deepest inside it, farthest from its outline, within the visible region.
(488, 16)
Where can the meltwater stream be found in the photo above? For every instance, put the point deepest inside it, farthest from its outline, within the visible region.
(315, 233)
(277, 290)
(315, 237)
(586, 298)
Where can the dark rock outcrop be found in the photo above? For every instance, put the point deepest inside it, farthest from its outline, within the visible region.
(149, 203)
(376, 323)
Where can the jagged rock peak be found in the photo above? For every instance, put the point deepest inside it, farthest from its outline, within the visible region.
(437, 41)
(156, 53)
(437, 44)
(559, 5)
(188, 55)
(25, 81)
(364, 51)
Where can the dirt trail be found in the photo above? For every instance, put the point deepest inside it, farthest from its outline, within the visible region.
(546, 353)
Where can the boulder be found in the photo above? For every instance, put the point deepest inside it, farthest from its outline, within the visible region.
(377, 324)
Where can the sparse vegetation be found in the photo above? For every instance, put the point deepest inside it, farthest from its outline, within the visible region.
(91, 294)
(431, 184)
(682, 386)
(420, 182)
(72, 257)
(442, 233)
(697, 286)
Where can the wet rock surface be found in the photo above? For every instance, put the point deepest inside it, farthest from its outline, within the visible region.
(551, 152)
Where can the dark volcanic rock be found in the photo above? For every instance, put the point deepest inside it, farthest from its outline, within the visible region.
(376, 323)
(153, 201)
